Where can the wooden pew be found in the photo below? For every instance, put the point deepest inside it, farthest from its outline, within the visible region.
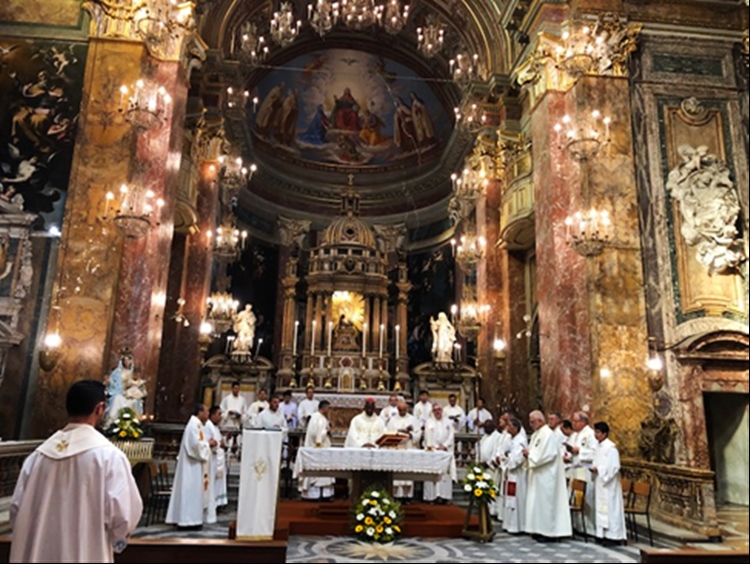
(690, 555)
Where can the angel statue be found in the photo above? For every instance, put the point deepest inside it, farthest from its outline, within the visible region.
(443, 338)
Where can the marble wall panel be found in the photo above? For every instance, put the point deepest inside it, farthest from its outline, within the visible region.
(46, 12)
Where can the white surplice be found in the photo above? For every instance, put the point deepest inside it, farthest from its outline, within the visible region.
(218, 465)
(514, 485)
(305, 410)
(610, 514)
(364, 429)
(317, 436)
(471, 420)
(191, 502)
(547, 510)
(579, 469)
(233, 409)
(439, 433)
(457, 415)
(407, 424)
(75, 500)
(423, 412)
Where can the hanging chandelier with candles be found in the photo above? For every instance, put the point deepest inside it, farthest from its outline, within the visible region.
(323, 15)
(284, 29)
(360, 14)
(431, 37)
(588, 231)
(394, 18)
(581, 50)
(470, 116)
(144, 104)
(222, 308)
(236, 99)
(133, 210)
(161, 23)
(470, 315)
(228, 241)
(464, 68)
(468, 250)
(583, 138)
(252, 45)
(234, 174)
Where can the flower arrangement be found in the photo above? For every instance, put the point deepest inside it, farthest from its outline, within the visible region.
(480, 485)
(377, 517)
(126, 426)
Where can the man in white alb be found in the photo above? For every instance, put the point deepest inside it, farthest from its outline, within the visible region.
(514, 479)
(439, 435)
(272, 418)
(307, 407)
(233, 408)
(547, 510)
(554, 420)
(218, 465)
(75, 499)
(581, 446)
(477, 416)
(257, 407)
(404, 422)
(318, 436)
(192, 501)
(610, 514)
(366, 428)
(389, 410)
(289, 409)
(455, 413)
(502, 448)
(423, 408)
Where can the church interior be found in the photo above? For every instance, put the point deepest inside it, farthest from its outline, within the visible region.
(538, 203)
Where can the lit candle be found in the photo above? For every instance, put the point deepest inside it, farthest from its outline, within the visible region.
(312, 340)
(107, 199)
(381, 336)
(294, 340)
(364, 340)
(398, 331)
(255, 104)
(257, 348)
(330, 336)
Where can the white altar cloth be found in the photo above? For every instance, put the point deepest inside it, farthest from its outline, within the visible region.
(409, 464)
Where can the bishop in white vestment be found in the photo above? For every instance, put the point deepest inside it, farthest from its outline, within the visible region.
(610, 514)
(547, 510)
(366, 428)
(404, 422)
(514, 479)
(318, 436)
(191, 502)
(439, 435)
(218, 464)
(75, 499)
(307, 407)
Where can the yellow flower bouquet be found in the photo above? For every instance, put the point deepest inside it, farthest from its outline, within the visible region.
(126, 426)
(377, 517)
(480, 485)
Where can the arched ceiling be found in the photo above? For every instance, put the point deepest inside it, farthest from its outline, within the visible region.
(330, 111)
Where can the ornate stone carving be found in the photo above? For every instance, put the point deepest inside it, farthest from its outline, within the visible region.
(709, 205)
(657, 440)
(390, 238)
(293, 231)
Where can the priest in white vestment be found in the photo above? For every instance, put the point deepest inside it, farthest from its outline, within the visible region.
(307, 407)
(366, 428)
(514, 479)
(389, 410)
(318, 436)
(272, 418)
(476, 417)
(218, 465)
(439, 435)
(257, 407)
(502, 448)
(547, 510)
(423, 408)
(75, 499)
(233, 408)
(610, 513)
(404, 422)
(192, 501)
(455, 413)
(581, 447)
(289, 409)
(554, 420)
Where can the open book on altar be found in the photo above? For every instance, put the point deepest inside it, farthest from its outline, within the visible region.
(392, 439)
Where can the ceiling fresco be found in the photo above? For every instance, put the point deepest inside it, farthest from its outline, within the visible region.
(336, 108)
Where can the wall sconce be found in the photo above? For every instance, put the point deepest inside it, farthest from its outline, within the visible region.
(205, 332)
(50, 352)
(655, 372)
(499, 346)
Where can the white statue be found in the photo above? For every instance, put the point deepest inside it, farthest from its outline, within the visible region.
(244, 326)
(709, 205)
(443, 338)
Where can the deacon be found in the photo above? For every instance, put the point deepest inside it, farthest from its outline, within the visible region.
(547, 511)
(404, 422)
(191, 502)
(455, 413)
(75, 499)
(318, 435)
(307, 407)
(389, 410)
(289, 409)
(581, 447)
(439, 435)
(477, 416)
(610, 514)
(257, 406)
(514, 481)
(423, 408)
(218, 465)
(366, 428)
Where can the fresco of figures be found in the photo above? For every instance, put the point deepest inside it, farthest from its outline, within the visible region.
(351, 108)
(40, 98)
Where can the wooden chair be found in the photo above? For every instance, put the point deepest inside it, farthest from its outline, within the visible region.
(640, 504)
(577, 501)
(158, 498)
(627, 488)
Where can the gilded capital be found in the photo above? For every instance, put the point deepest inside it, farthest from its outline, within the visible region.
(293, 230)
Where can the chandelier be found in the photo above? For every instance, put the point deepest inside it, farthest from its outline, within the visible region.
(394, 18)
(470, 116)
(430, 38)
(253, 48)
(234, 174)
(134, 210)
(588, 231)
(468, 250)
(581, 50)
(470, 315)
(161, 22)
(236, 98)
(323, 16)
(144, 105)
(583, 139)
(464, 68)
(228, 241)
(284, 30)
(221, 310)
(360, 14)
(470, 185)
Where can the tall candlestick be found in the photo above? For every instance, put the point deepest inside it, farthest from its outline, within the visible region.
(398, 330)
(364, 340)
(312, 340)
(294, 340)
(330, 336)
(382, 335)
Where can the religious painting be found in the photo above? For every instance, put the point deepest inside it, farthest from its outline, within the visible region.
(348, 108)
(40, 97)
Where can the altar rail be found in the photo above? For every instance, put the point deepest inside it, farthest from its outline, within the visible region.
(12, 455)
(680, 496)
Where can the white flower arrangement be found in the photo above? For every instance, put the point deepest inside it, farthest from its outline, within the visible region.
(377, 518)
(480, 485)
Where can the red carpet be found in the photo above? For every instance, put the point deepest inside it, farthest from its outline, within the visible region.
(421, 520)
